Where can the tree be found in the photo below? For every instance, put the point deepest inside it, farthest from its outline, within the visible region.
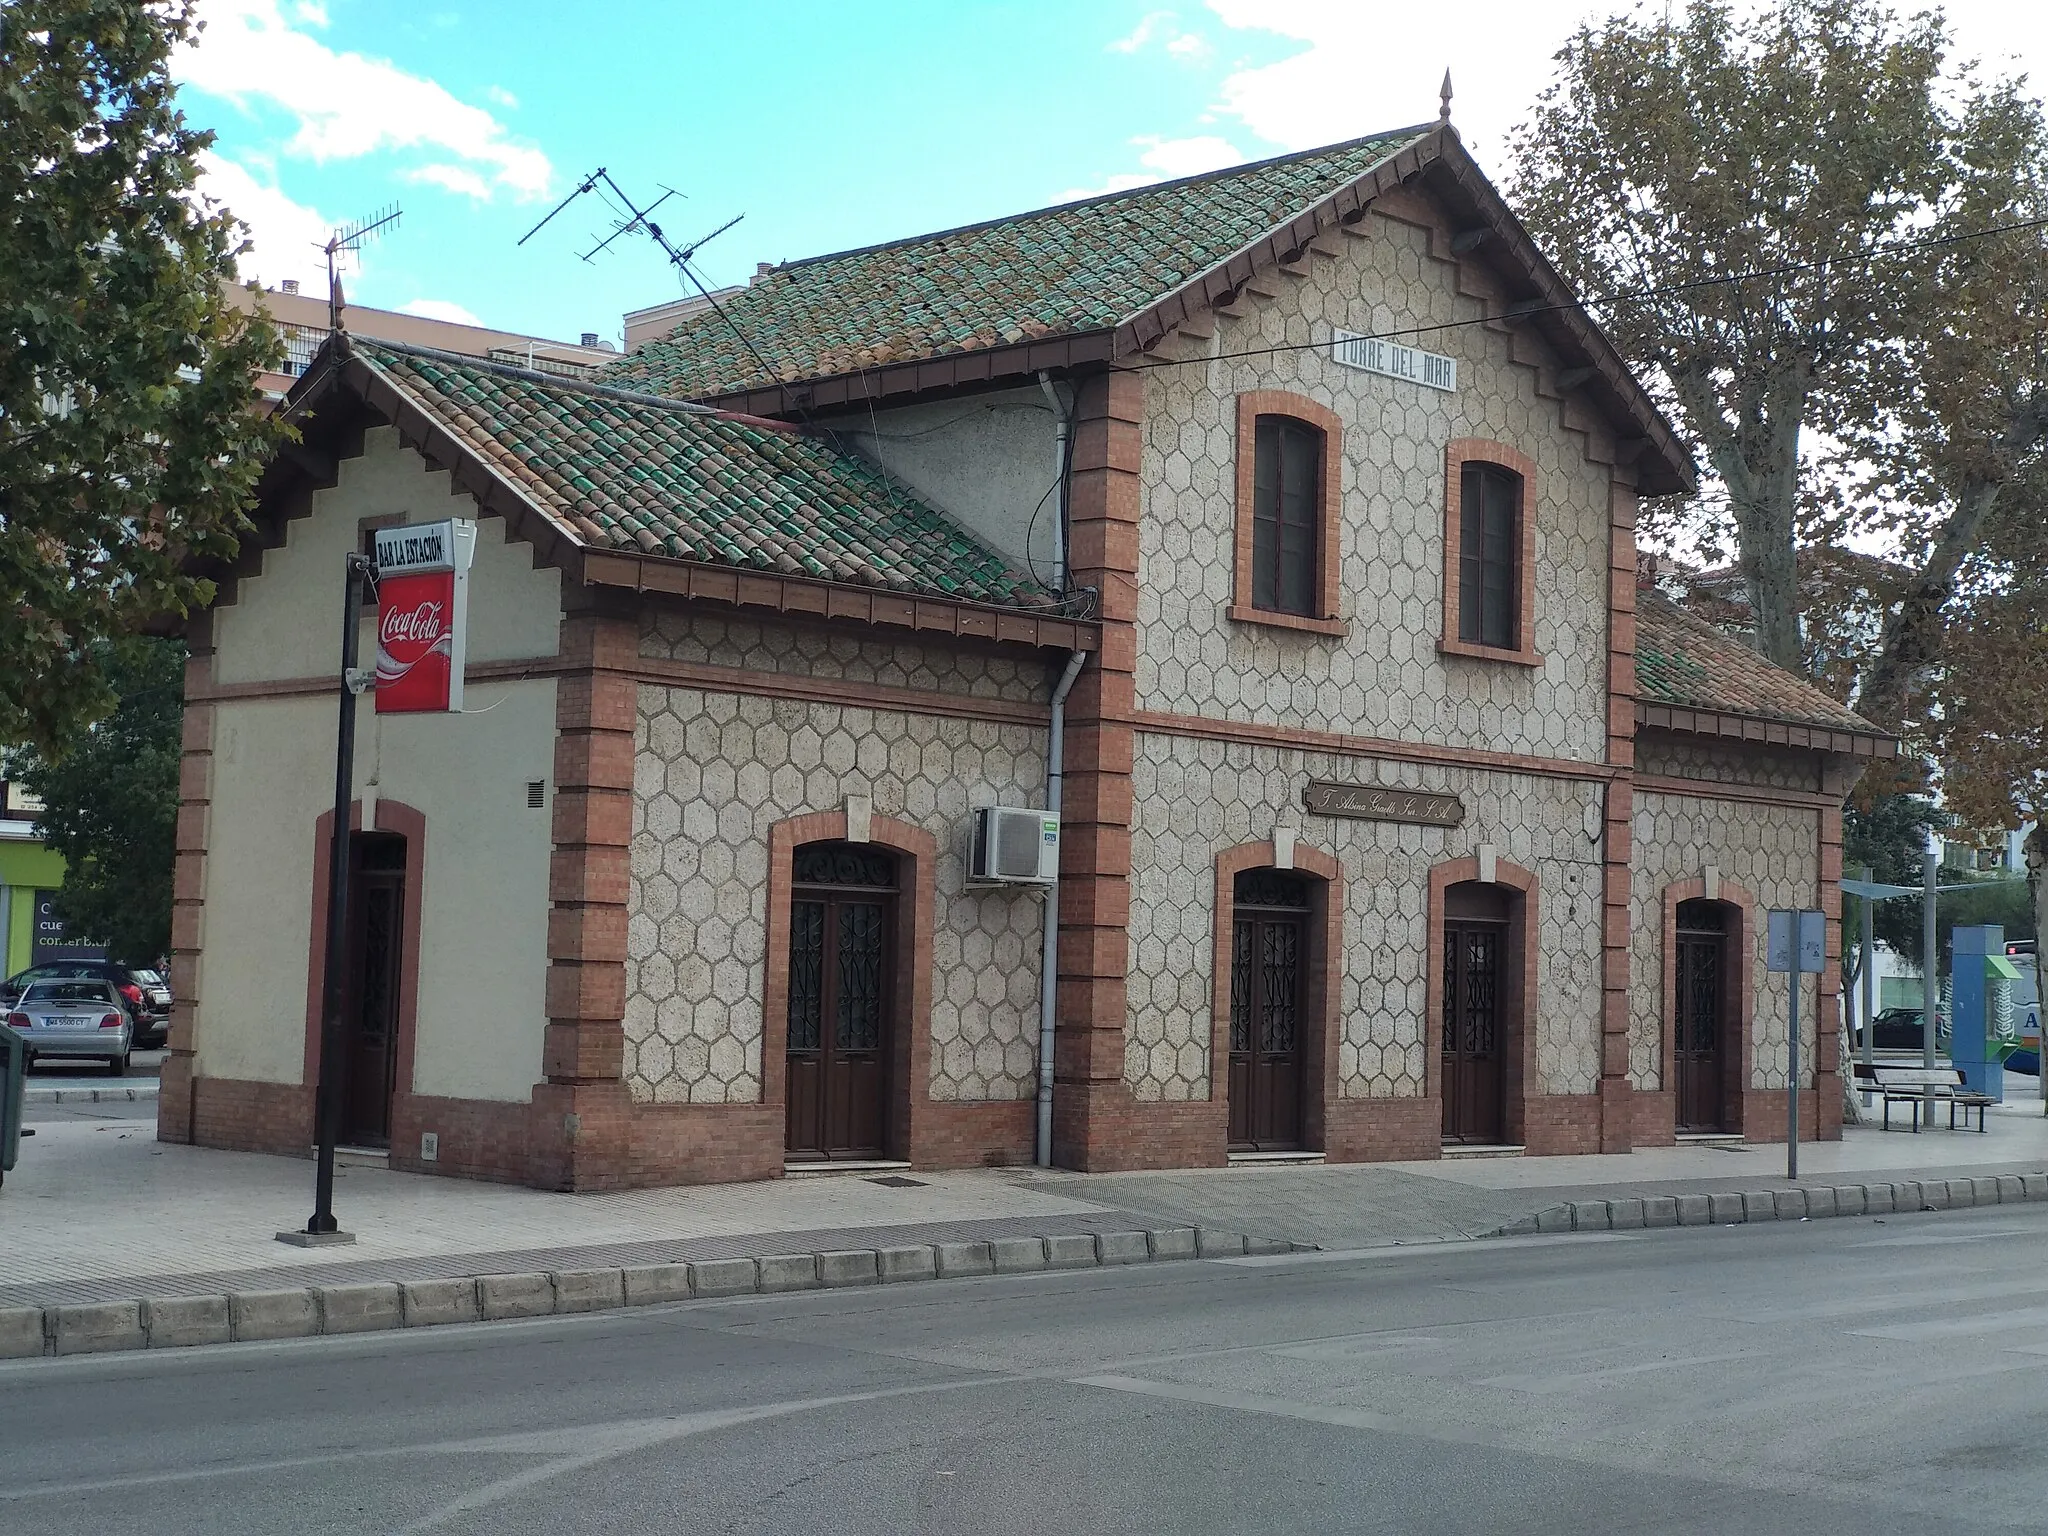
(1674, 153)
(111, 804)
(130, 440)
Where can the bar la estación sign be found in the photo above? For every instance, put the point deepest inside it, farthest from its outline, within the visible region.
(422, 614)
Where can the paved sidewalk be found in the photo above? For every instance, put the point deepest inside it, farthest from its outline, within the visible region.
(98, 1210)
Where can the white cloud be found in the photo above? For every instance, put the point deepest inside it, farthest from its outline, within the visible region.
(1164, 28)
(502, 97)
(439, 309)
(347, 105)
(453, 178)
(284, 235)
(311, 12)
(1151, 25)
(1165, 159)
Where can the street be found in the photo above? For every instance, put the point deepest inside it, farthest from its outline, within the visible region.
(1840, 1374)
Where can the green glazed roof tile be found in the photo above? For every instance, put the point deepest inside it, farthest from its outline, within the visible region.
(1683, 661)
(1078, 267)
(652, 476)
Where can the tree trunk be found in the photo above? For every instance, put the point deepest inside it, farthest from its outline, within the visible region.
(1757, 457)
(1915, 630)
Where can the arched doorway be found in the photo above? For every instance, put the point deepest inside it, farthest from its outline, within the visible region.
(371, 986)
(842, 960)
(1478, 993)
(1270, 951)
(1700, 1016)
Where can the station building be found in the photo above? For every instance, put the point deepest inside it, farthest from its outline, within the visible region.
(1394, 818)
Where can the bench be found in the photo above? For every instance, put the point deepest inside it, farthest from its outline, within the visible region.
(1910, 1085)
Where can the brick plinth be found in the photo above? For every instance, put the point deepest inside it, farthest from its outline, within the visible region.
(245, 1116)
(1764, 1115)
(1102, 1128)
(1561, 1124)
(1382, 1130)
(1655, 1112)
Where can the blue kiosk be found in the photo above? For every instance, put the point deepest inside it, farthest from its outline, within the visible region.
(1979, 959)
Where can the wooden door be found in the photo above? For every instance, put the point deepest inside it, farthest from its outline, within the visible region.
(1268, 974)
(1698, 1017)
(1474, 1044)
(376, 936)
(841, 954)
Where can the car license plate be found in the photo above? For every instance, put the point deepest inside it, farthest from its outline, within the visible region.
(50, 1021)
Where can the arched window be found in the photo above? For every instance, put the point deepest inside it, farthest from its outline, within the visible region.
(1290, 458)
(1489, 553)
(1287, 499)
(1489, 556)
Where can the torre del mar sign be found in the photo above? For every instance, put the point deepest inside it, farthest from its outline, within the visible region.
(1376, 802)
(1375, 354)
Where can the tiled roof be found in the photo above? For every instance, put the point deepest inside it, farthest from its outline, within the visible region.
(653, 476)
(1075, 268)
(1685, 662)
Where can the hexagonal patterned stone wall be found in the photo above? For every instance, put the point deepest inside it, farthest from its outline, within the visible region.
(713, 771)
(1385, 678)
(1195, 798)
(1727, 762)
(765, 647)
(1772, 851)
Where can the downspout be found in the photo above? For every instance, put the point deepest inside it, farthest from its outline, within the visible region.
(1055, 760)
(1049, 954)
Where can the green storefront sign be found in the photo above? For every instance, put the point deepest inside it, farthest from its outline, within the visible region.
(28, 871)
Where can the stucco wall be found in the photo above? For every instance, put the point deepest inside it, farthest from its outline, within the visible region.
(1772, 852)
(1195, 798)
(988, 460)
(281, 624)
(483, 926)
(713, 772)
(1385, 677)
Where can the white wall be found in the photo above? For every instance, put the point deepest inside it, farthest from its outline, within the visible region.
(483, 926)
(988, 461)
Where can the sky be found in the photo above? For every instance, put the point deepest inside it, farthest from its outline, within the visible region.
(822, 124)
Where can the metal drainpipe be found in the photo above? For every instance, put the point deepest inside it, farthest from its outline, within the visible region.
(1049, 954)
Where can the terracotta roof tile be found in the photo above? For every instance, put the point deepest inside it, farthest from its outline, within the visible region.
(1685, 662)
(656, 477)
(1078, 267)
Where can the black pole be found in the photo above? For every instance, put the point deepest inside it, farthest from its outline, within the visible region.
(327, 1100)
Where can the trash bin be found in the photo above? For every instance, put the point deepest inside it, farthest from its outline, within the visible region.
(13, 1069)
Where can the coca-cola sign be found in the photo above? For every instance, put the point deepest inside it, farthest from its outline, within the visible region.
(422, 592)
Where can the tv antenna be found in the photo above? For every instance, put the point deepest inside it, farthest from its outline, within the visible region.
(639, 219)
(347, 241)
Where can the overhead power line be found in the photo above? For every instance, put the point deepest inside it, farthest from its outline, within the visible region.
(1525, 311)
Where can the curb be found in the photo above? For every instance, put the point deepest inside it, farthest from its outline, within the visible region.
(240, 1316)
(129, 1095)
(1800, 1203)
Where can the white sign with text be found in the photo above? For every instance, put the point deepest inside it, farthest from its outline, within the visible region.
(1375, 354)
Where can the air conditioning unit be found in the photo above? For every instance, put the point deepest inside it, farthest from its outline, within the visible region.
(1015, 847)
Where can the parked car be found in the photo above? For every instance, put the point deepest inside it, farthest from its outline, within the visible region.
(1898, 1029)
(74, 1016)
(143, 993)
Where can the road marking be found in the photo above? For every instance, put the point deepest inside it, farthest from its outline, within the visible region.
(1958, 1327)
(1432, 1248)
(569, 1449)
(1355, 1346)
(1288, 1408)
(1564, 1381)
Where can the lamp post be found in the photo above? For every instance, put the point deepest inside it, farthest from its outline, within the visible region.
(321, 1228)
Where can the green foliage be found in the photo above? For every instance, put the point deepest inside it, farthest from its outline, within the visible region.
(130, 440)
(1890, 836)
(111, 804)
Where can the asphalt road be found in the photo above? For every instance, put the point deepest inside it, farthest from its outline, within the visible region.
(1840, 1375)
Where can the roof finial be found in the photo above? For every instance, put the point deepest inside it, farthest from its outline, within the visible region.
(1443, 112)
